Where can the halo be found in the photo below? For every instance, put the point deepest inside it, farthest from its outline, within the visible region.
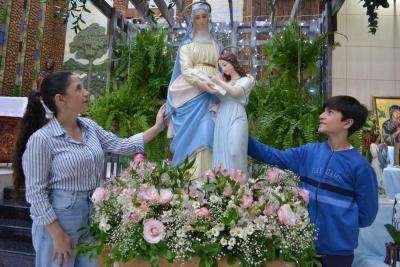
(194, 3)
(230, 46)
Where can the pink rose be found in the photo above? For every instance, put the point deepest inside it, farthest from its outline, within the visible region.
(209, 176)
(286, 215)
(148, 194)
(269, 209)
(166, 196)
(202, 212)
(247, 200)
(305, 194)
(238, 176)
(273, 177)
(139, 158)
(99, 195)
(153, 231)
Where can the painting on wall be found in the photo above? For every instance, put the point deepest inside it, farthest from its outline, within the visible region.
(387, 111)
(86, 52)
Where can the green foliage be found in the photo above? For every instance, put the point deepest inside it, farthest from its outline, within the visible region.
(282, 111)
(132, 108)
(394, 233)
(371, 6)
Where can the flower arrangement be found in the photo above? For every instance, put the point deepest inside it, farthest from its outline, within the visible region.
(159, 210)
(393, 248)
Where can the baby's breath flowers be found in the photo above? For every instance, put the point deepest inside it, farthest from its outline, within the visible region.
(159, 210)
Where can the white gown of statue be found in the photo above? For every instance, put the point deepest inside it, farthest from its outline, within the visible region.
(231, 128)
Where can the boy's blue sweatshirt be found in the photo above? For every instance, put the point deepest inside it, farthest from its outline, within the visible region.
(337, 216)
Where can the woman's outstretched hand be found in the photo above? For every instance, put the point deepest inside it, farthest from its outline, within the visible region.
(153, 131)
(160, 123)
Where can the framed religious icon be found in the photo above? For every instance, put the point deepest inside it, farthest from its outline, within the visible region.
(387, 111)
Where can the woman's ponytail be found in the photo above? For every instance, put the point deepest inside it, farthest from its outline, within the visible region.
(33, 119)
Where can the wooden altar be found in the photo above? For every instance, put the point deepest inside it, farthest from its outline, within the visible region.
(11, 112)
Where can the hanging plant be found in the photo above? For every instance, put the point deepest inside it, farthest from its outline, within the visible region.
(371, 6)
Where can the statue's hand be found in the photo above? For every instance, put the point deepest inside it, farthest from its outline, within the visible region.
(205, 86)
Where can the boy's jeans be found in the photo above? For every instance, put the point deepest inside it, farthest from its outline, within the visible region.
(73, 210)
(336, 260)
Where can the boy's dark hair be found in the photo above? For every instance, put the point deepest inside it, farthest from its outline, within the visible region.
(350, 108)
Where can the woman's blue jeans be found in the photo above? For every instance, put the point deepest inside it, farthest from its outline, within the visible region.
(73, 210)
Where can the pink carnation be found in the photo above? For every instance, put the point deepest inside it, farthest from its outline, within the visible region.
(225, 172)
(139, 158)
(247, 200)
(286, 215)
(209, 176)
(218, 169)
(202, 212)
(153, 231)
(99, 195)
(305, 194)
(273, 177)
(269, 209)
(148, 194)
(227, 190)
(238, 176)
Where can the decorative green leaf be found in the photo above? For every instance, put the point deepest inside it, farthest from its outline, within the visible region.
(394, 233)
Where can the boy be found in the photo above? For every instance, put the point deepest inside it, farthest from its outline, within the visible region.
(342, 184)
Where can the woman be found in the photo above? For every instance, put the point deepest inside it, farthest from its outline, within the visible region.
(62, 160)
(374, 149)
(231, 127)
(191, 125)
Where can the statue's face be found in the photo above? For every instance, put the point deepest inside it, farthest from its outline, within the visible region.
(201, 19)
(226, 67)
(396, 116)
